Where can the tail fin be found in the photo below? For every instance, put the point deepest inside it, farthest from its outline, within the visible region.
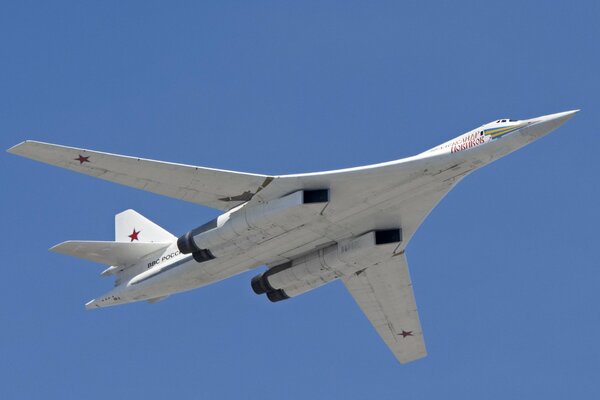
(133, 227)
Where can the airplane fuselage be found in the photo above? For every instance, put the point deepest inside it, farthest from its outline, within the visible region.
(275, 232)
(309, 229)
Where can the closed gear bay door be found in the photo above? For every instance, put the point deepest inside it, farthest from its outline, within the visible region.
(385, 295)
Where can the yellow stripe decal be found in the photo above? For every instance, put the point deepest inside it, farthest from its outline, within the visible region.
(495, 132)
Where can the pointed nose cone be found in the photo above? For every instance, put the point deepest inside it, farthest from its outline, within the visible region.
(545, 124)
(559, 118)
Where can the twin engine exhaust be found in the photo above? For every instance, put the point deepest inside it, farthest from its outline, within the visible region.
(187, 245)
(242, 224)
(322, 266)
(248, 226)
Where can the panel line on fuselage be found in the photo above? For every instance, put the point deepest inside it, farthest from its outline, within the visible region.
(165, 269)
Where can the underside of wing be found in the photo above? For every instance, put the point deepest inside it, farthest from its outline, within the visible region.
(385, 295)
(210, 187)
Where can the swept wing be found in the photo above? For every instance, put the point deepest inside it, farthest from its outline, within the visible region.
(384, 293)
(210, 187)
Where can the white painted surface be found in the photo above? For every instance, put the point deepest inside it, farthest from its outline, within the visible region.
(272, 226)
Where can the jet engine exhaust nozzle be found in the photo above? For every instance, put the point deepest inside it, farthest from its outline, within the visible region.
(186, 244)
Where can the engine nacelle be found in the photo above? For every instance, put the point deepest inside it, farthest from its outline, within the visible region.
(320, 267)
(244, 227)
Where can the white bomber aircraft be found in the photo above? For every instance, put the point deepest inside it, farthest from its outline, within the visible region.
(308, 229)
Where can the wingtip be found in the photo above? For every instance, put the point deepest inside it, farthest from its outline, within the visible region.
(56, 248)
(19, 149)
(90, 305)
(14, 149)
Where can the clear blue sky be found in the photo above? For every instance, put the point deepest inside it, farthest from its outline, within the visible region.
(506, 270)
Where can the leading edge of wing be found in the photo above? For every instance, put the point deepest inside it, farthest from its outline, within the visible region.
(211, 187)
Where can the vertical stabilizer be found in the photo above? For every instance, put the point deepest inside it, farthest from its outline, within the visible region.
(131, 226)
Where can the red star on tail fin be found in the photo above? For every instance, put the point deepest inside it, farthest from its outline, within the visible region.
(134, 235)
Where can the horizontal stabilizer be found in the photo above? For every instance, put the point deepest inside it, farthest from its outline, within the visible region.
(120, 254)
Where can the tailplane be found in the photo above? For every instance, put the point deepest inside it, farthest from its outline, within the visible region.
(117, 254)
(137, 239)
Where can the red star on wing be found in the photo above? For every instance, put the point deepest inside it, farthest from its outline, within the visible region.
(134, 235)
(82, 159)
(405, 333)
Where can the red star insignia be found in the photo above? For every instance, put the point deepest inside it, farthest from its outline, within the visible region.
(405, 333)
(82, 159)
(134, 235)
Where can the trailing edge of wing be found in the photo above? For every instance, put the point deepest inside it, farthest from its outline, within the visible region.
(210, 187)
(121, 254)
(384, 293)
